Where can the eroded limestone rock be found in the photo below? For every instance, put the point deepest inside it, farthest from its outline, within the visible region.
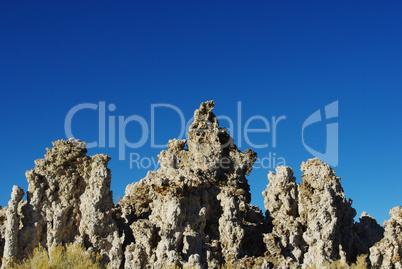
(194, 211)
(312, 222)
(68, 200)
(326, 214)
(196, 205)
(12, 224)
(281, 203)
(387, 253)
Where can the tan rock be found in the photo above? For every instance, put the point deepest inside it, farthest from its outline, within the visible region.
(196, 205)
(387, 253)
(312, 222)
(326, 214)
(68, 200)
(12, 225)
(281, 203)
(194, 211)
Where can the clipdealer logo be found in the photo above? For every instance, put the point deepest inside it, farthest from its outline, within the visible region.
(112, 132)
(331, 155)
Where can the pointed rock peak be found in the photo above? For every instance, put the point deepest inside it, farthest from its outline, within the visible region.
(204, 118)
(205, 133)
(211, 150)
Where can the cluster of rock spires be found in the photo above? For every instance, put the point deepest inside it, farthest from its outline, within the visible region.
(194, 211)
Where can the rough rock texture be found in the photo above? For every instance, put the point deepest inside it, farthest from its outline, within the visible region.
(68, 200)
(195, 208)
(388, 252)
(312, 222)
(194, 211)
(326, 213)
(12, 224)
(285, 241)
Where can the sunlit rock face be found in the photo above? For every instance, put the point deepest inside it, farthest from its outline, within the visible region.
(194, 211)
(326, 213)
(312, 222)
(195, 207)
(68, 200)
(284, 242)
(387, 253)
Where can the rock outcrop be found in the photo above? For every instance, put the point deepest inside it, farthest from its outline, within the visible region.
(12, 224)
(284, 243)
(195, 208)
(68, 200)
(312, 221)
(367, 232)
(194, 211)
(326, 213)
(387, 253)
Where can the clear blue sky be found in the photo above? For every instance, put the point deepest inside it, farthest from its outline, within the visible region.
(278, 58)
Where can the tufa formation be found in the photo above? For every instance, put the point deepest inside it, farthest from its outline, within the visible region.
(194, 211)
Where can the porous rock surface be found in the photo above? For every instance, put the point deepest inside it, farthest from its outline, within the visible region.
(68, 200)
(195, 208)
(326, 213)
(194, 211)
(312, 222)
(387, 253)
(12, 224)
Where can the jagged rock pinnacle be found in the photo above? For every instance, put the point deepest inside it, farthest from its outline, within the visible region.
(194, 211)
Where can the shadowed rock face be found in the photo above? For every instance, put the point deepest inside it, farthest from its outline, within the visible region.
(194, 211)
(2, 230)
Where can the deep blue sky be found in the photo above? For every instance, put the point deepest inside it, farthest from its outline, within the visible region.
(278, 58)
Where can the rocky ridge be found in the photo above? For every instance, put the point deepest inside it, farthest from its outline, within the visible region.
(194, 211)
